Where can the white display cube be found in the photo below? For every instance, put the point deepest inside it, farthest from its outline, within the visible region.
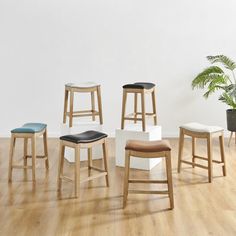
(77, 128)
(134, 131)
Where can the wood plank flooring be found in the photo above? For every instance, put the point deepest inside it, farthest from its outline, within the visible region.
(200, 209)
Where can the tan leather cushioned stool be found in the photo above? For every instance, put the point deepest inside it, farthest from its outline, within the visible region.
(141, 88)
(196, 130)
(88, 87)
(148, 149)
(85, 140)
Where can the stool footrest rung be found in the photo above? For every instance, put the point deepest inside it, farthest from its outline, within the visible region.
(97, 169)
(83, 113)
(206, 159)
(21, 167)
(66, 178)
(194, 164)
(38, 156)
(149, 191)
(148, 181)
(93, 177)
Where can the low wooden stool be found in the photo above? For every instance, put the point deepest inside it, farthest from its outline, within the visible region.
(28, 131)
(139, 88)
(86, 140)
(89, 87)
(148, 149)
(196, 130)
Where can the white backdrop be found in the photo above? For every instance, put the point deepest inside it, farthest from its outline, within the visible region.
(46, 43)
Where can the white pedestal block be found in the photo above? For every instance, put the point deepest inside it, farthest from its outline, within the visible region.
(80, 127)
(134, 131)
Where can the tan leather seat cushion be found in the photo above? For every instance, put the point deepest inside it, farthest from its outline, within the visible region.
(148, 146)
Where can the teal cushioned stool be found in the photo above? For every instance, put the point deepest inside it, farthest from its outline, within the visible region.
(28, 131)
(30, 128)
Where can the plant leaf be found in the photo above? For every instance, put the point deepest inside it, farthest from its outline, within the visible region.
(204, 77)
(225, 61)
(228, 100)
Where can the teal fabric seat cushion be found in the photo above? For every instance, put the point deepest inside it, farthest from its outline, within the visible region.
(30, 128)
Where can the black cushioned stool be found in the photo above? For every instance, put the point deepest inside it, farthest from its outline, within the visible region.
(86, 140)
(139, 88)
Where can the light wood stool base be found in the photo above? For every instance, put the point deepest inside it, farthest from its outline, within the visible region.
(202, 135)
(143, 154)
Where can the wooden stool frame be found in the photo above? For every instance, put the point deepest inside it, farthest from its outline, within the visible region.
(167, 156)
(26, 137)
(134, 116)
(69, 91)
(208, 137)
(77, 147)
(231, 136)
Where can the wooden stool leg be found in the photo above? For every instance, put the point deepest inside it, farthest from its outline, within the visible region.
(89, 160)
(222, 152)
(11, 153)
(45, 145)
(123, 109)
(77, 170)
(71, 108)
(154, 106)
(93, 105)
(25, 151)
(181, 147)
(126, 178)
(169, 178)
(193, 150)
(143, 111)
(209, 151)
(65, 105)
(60, 165)
(135, 107)
(230, 138)
(33, 145)
(105, 156)
(99, 104)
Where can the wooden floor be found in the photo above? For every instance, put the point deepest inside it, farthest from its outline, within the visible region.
(200, 208)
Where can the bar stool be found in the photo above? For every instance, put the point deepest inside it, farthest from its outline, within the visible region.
(142, 89)
(148, 149)
(196, 130)
(28, 131)
(89, 87)
(86, 140)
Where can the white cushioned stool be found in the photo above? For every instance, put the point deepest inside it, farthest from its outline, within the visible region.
(196, 130)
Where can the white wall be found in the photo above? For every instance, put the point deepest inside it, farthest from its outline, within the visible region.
(46, 43)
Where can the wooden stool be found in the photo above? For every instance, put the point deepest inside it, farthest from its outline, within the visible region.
(148, 149)
(196, 130)
(28, 131)
(86, 140)
(139, 88)
(89, 87)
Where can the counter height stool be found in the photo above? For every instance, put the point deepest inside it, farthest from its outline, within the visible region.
(196, 130)
(89, 87)
(148, 149)
(142, 89)
(28, 131)
(86, 140)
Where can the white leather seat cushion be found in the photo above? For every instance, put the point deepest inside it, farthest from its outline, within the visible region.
(82, 85)
(196, 127)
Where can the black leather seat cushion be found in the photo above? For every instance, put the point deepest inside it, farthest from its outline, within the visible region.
(139, 85)
(85, 137)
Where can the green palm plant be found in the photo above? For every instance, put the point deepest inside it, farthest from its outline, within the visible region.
(214, 78)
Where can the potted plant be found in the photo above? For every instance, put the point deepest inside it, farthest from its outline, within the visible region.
(215, 78)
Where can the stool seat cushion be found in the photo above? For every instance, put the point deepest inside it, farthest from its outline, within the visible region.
(82, 85)
(85, 137)
(139, 85)
(30, 128)
(200, 128)
(148, 146)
